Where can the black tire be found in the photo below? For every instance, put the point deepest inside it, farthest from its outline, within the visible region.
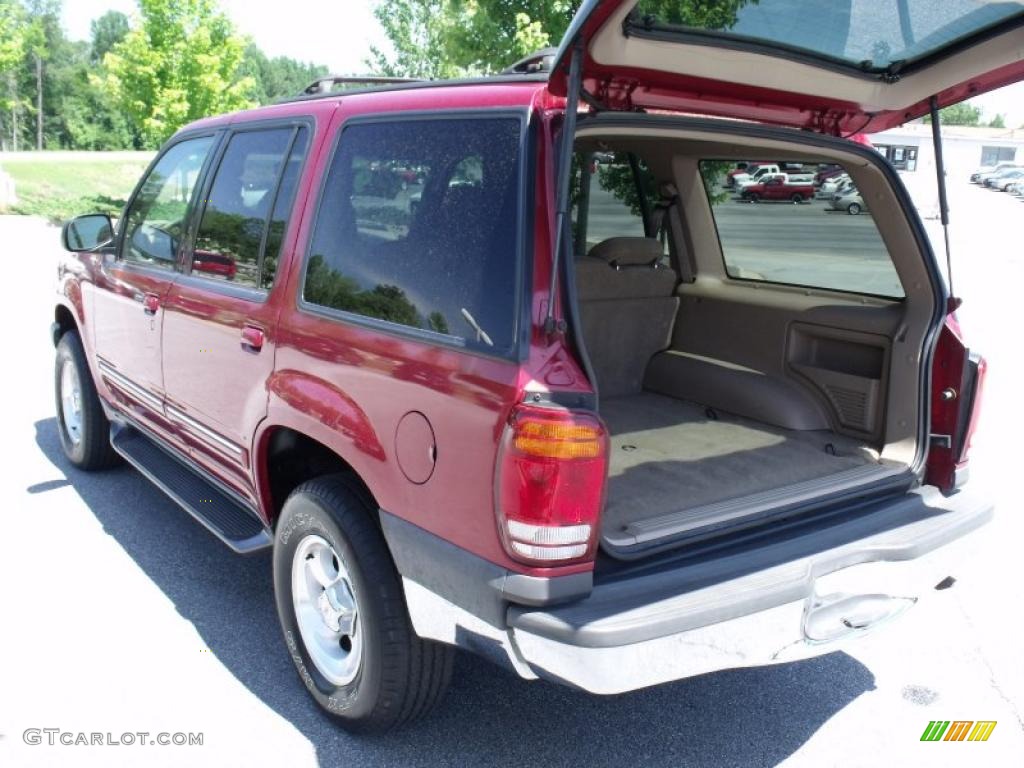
(796, 197)
(92, 451)
(400, 677)
(753, 197)
(853, 209)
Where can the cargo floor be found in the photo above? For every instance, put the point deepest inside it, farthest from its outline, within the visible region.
(677, 468)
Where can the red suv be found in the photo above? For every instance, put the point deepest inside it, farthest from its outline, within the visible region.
(579, 417)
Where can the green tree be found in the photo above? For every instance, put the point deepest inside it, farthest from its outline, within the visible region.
(107, 31)
(12, 31)
(40, 37)
(280, 77)
(448, 38)
(997, 122)
(13, 27)
(181, 62)
(958, 114)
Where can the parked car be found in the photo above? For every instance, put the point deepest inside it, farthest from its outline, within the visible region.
(849, 200)
(976, 177)
(832, 184)
(828, 171)
(506, 420)
(777, 187)
(996, 174)
(1004, 178)
(754, 174)
(740, 168)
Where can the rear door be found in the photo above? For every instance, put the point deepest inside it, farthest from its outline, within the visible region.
(220, 322)
(839, 66)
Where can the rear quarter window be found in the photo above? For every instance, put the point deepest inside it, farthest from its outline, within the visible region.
(806, 226)
(418, 227)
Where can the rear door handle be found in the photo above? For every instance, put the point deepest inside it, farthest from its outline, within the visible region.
(252, 338)
(150, 303)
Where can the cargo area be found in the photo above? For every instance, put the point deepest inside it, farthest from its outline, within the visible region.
(750, 360)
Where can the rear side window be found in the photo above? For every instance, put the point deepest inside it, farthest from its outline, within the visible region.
(808, 226)
(612, 194)
(244, 214)
(418, 226)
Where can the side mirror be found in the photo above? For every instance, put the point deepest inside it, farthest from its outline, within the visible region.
(87, 233)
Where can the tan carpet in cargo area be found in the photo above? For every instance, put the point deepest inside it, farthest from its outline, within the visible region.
(668, 455)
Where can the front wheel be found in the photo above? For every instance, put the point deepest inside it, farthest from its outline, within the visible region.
(82, 424)
(342, 610)
(752, 197)
(853, 209)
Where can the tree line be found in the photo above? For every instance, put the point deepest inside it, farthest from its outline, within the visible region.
(135, 81)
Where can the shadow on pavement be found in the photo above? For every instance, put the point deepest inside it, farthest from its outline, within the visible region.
(754, 717)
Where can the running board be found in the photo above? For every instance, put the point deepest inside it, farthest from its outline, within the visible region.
(699, 522)
(223, 516)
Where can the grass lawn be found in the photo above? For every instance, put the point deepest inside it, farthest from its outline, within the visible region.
(59, 185)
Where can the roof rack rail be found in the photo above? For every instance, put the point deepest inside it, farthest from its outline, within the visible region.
(538, 61)
(323, 84)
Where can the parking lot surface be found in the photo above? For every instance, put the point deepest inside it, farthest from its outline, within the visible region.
(120, 614)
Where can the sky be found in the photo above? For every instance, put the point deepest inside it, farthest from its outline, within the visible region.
(339, 33)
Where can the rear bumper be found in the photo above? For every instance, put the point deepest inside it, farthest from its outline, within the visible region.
(657, 627)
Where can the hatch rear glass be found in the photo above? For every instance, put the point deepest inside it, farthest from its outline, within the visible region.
(871, 35)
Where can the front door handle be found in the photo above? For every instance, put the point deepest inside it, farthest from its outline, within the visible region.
(252, 338)
(150, 303)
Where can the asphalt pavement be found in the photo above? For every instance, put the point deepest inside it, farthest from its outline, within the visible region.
(120, 614)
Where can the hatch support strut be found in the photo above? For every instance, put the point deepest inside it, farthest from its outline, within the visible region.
(563, 238)
(940, 174)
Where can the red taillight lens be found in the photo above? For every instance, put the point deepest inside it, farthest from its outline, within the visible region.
(550, 484)
(957, 381)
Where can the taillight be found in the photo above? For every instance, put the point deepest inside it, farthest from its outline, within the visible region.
(957, 380)
(552, 467)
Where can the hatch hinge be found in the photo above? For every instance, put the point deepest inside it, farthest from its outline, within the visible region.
(892, 73)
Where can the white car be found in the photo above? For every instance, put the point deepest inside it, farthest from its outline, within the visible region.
(988, 169)
(1005, 179)
(1001, 171)
(754, 175)
(830, 186)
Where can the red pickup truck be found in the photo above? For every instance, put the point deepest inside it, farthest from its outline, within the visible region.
(777, 188)
(573, 418)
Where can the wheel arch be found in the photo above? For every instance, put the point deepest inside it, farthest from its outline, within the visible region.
(285, 457)
(64, 320)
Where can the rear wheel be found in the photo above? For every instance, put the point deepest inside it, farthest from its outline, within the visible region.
(853, 209)
(796, 197)
(81, 423)
(342, 610)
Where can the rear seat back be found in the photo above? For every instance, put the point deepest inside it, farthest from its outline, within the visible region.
(627, 307)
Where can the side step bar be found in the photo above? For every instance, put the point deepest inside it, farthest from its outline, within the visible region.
(223, 516)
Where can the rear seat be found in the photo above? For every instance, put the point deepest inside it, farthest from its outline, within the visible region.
(627, 309)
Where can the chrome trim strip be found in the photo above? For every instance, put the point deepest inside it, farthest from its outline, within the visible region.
(130, 386)
(206, 434)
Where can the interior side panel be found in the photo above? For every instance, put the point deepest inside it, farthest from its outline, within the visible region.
(790, 360)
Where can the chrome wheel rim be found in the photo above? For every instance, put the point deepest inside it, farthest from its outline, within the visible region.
(326, 610)
(71, 402)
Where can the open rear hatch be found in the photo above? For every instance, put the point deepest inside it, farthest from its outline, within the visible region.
(835, 66)
(840, 67)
